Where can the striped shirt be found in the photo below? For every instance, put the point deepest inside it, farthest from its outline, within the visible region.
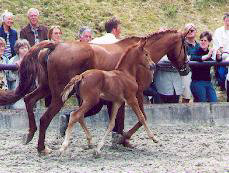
(7, 51)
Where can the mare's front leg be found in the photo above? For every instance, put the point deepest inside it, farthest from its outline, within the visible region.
(141, 117)
(53, 109)
(115, 108)
(30, 101)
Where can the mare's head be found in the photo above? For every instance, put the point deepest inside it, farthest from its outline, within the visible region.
(172, 43)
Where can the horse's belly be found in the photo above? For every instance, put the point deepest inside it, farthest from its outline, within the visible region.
(112, 96)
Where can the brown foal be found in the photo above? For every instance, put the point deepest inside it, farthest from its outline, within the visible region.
(118, 86)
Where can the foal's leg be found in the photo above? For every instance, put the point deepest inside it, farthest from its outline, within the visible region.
(30, 100)
(115, 108)
(128, 134)
(75, 117)
(87, 132)
(135, 106)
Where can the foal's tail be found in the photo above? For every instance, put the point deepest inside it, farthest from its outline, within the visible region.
(69, 87)
(28, 72)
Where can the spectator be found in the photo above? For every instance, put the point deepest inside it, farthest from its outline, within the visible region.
(21, 48)
(3, 60)
(192, 46)
(221, 47)
(168, 82)
(55, 34)
(34, 32)
(113, 30)
(85, 34)
(201, 86)
(9, 34)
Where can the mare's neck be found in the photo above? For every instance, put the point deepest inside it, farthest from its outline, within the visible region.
(161, 46)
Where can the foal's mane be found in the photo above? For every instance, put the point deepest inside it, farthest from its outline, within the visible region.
(124, 55)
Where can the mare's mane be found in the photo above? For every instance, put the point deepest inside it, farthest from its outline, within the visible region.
(155, 35)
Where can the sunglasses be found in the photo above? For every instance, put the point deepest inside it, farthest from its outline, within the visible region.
(192, 30)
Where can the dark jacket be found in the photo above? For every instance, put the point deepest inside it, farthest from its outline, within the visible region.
(13, 38)
(27, 33)
(200, 73)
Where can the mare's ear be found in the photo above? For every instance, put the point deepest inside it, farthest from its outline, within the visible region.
(142, 43)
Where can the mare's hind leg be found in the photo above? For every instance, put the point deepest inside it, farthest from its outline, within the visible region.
(53, 109)
(30, 100)
(141, 118)
(75, 117)
(115, 108)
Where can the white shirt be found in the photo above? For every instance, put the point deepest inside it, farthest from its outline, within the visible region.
(167, 81)
(221, 39)
(108, 38)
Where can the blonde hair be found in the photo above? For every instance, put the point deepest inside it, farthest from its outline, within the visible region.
(5, 14)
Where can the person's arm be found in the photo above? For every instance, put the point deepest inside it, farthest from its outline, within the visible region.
(195, 57)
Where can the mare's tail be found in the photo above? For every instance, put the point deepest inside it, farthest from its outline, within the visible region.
(69, 87)
(28, 72)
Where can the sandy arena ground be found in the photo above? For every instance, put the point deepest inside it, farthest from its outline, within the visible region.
(182, 148)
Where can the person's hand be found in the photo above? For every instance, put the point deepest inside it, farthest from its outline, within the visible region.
(210, 53)
(219, 53)
(18, 63)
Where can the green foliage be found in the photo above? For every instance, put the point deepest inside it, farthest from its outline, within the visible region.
(138, 17)
(169, 9)
(205, 3)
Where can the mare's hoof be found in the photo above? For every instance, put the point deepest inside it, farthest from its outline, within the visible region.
(27, 138)
(45, 152)
(155, 140)
(127, 144)
(97, 154)
(88, 147)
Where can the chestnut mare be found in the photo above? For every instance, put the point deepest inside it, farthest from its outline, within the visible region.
(71, 58)
(117, 86)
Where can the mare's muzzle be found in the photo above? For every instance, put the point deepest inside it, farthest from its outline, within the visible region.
(184, 70)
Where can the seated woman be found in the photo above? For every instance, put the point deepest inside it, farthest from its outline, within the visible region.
(21, 47)
(201, 86)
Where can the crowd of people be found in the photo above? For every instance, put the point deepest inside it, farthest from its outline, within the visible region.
(167, 85)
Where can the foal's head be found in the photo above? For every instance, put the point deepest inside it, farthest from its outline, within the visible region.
(136, 55)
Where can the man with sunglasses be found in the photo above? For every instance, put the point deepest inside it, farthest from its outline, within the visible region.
(193, 45)
(221, 46)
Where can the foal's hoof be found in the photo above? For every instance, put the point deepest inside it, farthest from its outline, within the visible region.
(27, 138)
(45, 152)
(97, 154)
(61, 150)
